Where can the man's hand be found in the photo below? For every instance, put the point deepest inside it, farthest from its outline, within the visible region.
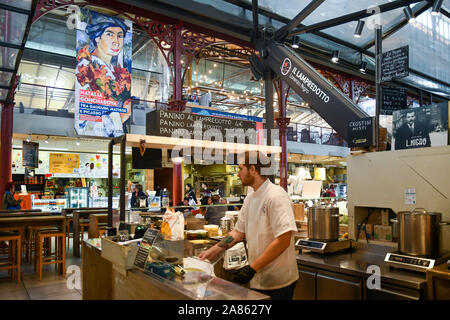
(244, 275)
(210, 253)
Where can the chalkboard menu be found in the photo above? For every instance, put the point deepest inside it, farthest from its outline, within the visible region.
(361, 133)
(395, 64)
(393, 99)
(164, 123)
(144, 248)
(30, 154)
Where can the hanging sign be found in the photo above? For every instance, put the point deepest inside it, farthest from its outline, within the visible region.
(395, 64)
(30, 154)
(64, 162)
(361, 133)
(393, 99)
(103, 75)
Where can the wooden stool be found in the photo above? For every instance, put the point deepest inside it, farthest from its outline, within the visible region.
(30, 240)
(84, 225)
(69, 221)
(14, 238)
(58, 257)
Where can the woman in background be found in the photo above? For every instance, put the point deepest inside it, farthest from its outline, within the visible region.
(9, 203)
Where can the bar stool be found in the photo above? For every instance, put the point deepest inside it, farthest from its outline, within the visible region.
(14, 238)
(101, 230)
(84, 225)
(45, 256)
(69, 222)
(30, 240)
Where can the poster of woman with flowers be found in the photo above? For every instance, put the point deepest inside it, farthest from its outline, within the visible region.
(103, 75)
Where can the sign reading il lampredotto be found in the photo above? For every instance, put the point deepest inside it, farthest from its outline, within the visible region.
(103, 75)
(331, 104)
(361, 133)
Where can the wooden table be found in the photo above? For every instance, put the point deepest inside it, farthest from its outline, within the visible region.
(77, 214)
(22, 221)
(24, 214)
(438, 282)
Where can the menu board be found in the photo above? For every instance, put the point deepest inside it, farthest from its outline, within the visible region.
(393, 99)
(63, 162)
(361, 132)
(144, 248)
(395, 64)
(30, 154)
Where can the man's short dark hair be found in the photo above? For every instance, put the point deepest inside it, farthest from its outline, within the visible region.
(257, 159)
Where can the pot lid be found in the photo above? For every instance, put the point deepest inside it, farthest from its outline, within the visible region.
(421, 211)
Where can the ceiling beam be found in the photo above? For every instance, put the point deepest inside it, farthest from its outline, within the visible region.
(417, 10)
(352, 17)
(284, 31)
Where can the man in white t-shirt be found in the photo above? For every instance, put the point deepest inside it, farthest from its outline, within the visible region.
(267, 222)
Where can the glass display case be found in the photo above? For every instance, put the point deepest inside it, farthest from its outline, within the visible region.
(102, 202)
(52, 205)
(77, 197)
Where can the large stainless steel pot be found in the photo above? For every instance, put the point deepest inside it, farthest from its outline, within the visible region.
(419, 232)
(323, 223)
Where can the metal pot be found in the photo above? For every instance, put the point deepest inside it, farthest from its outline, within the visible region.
(323, 223)
(419, 232)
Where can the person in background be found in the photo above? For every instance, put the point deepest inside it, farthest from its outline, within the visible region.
(206, 193)
(9, 203)
(190, 193)
(214, 214)
(60, 193)
(331, 192)
(136, 195)
(267, 222)
(185, 202)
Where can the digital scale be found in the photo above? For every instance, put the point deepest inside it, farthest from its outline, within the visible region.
(404, 261)
(322, 247)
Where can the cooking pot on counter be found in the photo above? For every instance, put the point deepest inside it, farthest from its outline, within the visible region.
(323, 223)
(419, 232)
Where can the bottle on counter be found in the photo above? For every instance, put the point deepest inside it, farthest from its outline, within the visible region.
(165, 198)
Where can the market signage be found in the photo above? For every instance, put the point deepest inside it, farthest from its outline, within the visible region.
(420, 127)
(331, 104)
(30, 154)
(64, 162)
(395, 64)
(144, 248)
(393, 99)
(194, 126)
(103, 75)
(216, 113)
(361, 133)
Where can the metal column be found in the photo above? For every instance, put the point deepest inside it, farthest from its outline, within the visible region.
(6, 147)
(379, 101)
(268, 88)
(283, 122)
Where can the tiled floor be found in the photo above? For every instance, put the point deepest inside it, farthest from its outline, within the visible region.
(53, 285)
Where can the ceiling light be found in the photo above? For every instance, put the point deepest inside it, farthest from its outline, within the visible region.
(78, 142)
(363, 67)
(436, 7)
(209, 71)
(46, 140)
(335, 57)
(295, 42)
(215, 65)
(409, 14)
(359, 28)
(29, 138)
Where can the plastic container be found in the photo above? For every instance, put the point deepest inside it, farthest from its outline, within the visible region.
(213, 230)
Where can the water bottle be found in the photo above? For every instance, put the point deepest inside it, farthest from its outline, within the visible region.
(165, 198)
